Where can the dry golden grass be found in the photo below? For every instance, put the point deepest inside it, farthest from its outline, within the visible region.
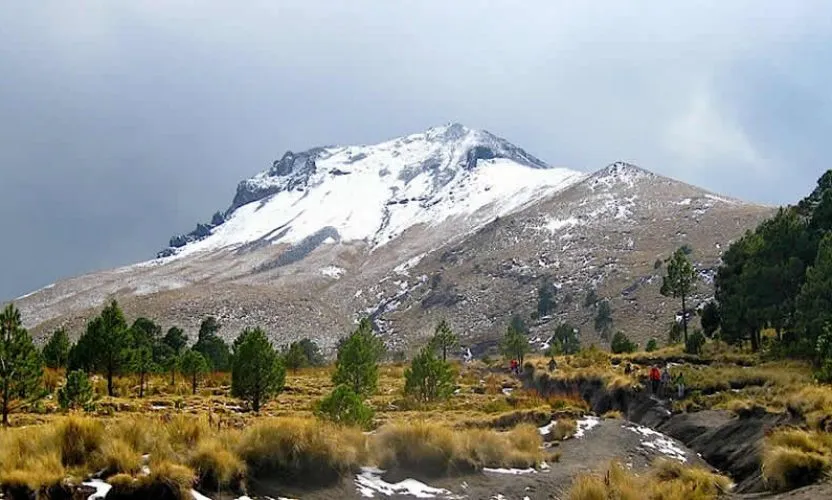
(300, 449)
(666, 480)
(216, 466)
(166, 480)
(796, 457)
(435, 450)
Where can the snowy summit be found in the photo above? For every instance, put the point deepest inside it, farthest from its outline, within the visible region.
(374, 193)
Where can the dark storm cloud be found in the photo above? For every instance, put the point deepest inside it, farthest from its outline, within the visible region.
(125, 123)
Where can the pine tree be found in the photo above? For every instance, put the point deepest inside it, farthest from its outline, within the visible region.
(211, 346)
(173, 343)
(603, 319)
(815, 299)
(357, 363)
(21, 367)
(142, 363)
(258, 371)
(710, 319)
(515, 345)
(545, 299)
(680, 282)
(294, 357)
(56, 350)
(77, 392)
(312, 352)
(175, 339)
(110, 343)
(429, 378)
(193, 364)
(444, 339)
(621, 344)
(566, 339)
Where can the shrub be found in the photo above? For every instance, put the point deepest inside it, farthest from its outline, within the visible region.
(345, 407)
(621, 344)
(695, 342)
(77, 392)
(117, 456)
(793, 458)
(652, 345)
(428, 378)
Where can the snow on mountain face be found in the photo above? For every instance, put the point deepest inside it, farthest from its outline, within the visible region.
(374, 193)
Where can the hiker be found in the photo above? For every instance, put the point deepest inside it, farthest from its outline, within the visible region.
(552, 365)
(665, 381)
(655, 378)
(680, 384)
(514, 366)
(628, 369)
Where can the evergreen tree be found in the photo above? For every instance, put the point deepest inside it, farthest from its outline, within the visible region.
(815, 298)
(652, 345)
(444, 339)
(603, 319)
(110, 343)
(56, 350)
(680, 282)
(142, 363)
(566, 339)
(429, 378)
(357, 363)
(175, 339)
(518, 324)
(343, 406)
(515, 345)
(170, 350)
(193, 365)
(545, 299)
(258, 371)
(145, 332)
(77, 392)
(312, 352)
(710, 318)
(21, 367)
(621, 344)
(294, 357)
(211, 346)
(81, 355)
(591, 298)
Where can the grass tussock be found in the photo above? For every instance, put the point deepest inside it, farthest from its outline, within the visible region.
(116, 456)
(666, 480)
(301, 449)
(793, 458)
(564, 428)
(434, 450)
(167, 481)
(79, 438)
(217, 468)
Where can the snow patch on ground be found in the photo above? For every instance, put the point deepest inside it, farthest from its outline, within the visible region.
(369, 482)
(659, 442)
(101, 489)
(685, 202)
(721, 199)
(585, 425)
(333, 271)
(555, 225)
(514, 472)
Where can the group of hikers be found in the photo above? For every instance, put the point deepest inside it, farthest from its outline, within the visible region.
(660, 382)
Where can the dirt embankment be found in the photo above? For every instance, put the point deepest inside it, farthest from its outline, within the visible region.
(731, 443)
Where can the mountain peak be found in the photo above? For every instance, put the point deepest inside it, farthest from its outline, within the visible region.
(447, 171)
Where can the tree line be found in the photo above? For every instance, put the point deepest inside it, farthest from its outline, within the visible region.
(778, 277)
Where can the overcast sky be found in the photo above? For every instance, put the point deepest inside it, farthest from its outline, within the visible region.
(126, 122)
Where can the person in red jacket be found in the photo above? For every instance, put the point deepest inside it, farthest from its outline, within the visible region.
(655, 378)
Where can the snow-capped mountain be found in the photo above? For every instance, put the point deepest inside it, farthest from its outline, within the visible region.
(451, 223)
(375, 193)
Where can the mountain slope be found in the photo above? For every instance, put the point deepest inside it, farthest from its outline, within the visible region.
(451, 222)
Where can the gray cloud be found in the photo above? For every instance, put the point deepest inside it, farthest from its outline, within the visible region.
(124, 124)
